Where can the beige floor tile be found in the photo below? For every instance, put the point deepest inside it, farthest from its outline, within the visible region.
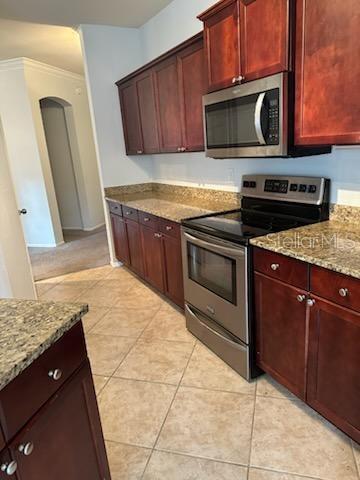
(121, 273)
(133, 412)
(206, 370)
(94, 315)
(168, 324)
(125, 322)
(156, 361)
(205, 423)
(119, 284)
(42, 288)
(256, 474)
(99, 383)
(356, 448)
(63, 293)
(290, 437)
(126, 461)
(106, 353)
(170, 466)
(51, 280)
(268, 387)
(91, 274)
(99, 297)
(140, 297)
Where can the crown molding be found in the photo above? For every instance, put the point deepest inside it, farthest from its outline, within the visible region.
(28, 63)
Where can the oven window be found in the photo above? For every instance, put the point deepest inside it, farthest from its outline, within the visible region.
(232, 123)
(212, 271)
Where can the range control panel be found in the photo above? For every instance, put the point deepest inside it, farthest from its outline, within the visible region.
(292, 189)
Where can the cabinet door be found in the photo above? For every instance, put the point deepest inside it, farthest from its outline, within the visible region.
(135, 247)
(120, 239)
(131, 119)
(66, 436)
(333, 371)
(153, 262)
(327, 72)
(281, 332)
(168, 105)
(147, 111)
(191, 65)
(265, 37)
(222, 44)
(174, 282)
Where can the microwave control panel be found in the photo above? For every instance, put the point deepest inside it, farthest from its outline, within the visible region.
(273, 130)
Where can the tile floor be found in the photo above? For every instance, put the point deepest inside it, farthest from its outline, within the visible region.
(171, 410)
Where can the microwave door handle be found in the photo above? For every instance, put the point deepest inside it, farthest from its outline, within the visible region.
(237, 253)
(258, 108)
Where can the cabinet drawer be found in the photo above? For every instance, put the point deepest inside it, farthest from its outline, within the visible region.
(130, 213)
(23, 397)
(170, 228)
(115, 208)
(336, 287)
(148, 220)
(282, 268)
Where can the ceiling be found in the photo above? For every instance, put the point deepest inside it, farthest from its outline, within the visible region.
(122, 13)
(44, 30)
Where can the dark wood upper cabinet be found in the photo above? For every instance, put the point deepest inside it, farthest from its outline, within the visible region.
(120, 239)
(333, 369)
(66, 436)
(153, 258)
(222, 43)
(131, 119)
(264, 33)
(191, 69)
(281, 332)
(168, 105)
(327, 72)
(245, 40)
(147, 112)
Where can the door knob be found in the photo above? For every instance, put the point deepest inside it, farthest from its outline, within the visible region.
(9, 468)
(26, 448)
(23, 211)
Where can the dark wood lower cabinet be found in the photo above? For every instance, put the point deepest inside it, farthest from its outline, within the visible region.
(65, 435)
(334, 365)
(281, 332)
(174, 282)
(120, 239)
(135, 247)
(153, 258)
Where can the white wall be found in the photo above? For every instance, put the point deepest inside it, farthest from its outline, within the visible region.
(176, 23)
(62, 169)
(15, 271)
(23, 83)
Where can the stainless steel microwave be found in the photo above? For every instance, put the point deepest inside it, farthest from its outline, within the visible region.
(254, 119)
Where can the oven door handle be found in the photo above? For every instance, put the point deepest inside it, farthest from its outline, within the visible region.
(258, 109)
(216, 248)
(214, 332)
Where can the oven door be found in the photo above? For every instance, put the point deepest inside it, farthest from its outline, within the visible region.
(215, 280)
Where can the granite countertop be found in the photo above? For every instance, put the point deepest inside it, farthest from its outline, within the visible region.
(28, 328)
(332, 244)
(173, 207)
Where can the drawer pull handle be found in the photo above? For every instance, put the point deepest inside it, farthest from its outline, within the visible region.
(26, 448)
(344, 292)
(275, 266)
(168, 228)
(9, 468)
(146, 219)
(55, 374)
(301, 298)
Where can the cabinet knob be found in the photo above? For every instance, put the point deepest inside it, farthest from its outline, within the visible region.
(234, 80)
(168, 228)
(128, 212)
(139, 152)
(183, 149)
(343, 292)
(9, 468)
(157, 235)
(179, 149)
(146, 219)
(275, 266)
(311, 302)
(301, 298)
(55, 374)
(26, 448)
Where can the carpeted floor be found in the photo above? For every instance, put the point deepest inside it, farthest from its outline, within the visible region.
(81, 251)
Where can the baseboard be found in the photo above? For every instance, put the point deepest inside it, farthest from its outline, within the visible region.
(94, 228)
(44, 245)
(116, 264)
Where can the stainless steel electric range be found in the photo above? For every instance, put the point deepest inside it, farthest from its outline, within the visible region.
(217, 260)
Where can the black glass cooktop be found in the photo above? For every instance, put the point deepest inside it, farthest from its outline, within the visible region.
(241, 225)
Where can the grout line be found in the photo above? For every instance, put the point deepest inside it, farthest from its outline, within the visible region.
(252, 432)
(357, 467)
(300, 475)
(210, 459)
(167, 414)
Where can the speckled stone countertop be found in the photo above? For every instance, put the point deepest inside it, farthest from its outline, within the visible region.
(28, 328)
(173, 202)
(333, 245)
